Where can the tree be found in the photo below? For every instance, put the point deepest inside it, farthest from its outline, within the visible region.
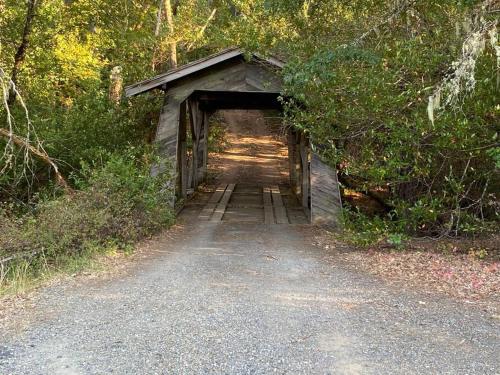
(21, 50)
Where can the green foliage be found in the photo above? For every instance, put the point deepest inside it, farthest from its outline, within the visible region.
(118, 204)
(363, 100)
(364, 230)
(494, 153)
(364, 105)
(217, 141)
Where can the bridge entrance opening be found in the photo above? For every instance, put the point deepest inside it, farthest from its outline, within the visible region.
(248, 176)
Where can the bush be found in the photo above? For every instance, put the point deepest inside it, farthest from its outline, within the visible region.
(366, 108)
(117, 204)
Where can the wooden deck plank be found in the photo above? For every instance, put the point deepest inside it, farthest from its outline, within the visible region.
(215, 198)
(281, 216)
(209, 208)
(268, 206)
(268, 215)
(207, 211)
(267, 196)
(279, 208)
(277, 200)
(221, 207)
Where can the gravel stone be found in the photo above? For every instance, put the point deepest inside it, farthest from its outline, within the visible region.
(234, 298)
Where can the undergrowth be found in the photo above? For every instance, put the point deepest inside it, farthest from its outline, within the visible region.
(395, 231)
(116, 205)
(217, 137)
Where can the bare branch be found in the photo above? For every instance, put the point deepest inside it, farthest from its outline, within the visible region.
(29, 144)
(202, 30)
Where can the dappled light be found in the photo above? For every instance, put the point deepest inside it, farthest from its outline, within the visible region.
(249, 187)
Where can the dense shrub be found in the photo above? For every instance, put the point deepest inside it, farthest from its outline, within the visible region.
(365, 105)
(118, 203)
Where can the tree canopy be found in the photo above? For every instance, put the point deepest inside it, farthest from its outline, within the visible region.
(401, 96)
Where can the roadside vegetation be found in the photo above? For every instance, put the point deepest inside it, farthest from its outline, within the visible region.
(401, 96)
(113, 206)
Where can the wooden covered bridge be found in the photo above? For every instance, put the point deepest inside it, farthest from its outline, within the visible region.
(232, 80)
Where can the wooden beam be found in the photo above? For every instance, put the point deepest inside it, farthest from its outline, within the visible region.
(304, 158)
(208, 210)
(183, 168)
(196, 122)
(221, 207)
(268, 206)
(279, 208)
(204, 167)
(182, 151)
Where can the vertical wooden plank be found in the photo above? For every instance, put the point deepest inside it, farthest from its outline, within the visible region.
(304, 158)
(205, 146)
(195, 134)
(326, 203)
(182, 152)
(166, 139)
(183, 169)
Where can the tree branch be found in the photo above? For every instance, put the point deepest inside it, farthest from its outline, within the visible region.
(21, 51)
(39, 153)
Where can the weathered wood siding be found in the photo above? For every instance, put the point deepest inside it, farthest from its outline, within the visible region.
(167, 133)
(228, 77)
(326, 204)
(262, 77)
(233, 75)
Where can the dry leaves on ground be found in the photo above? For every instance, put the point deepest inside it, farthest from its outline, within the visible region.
(450, 267)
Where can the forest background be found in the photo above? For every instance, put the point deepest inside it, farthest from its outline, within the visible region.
(400, 95)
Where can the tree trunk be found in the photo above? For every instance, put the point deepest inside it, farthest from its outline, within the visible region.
(159, 17)
(115, 85)
(21, 51)
(170, 23)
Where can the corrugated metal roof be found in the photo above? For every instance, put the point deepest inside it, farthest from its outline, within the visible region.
(191, 68)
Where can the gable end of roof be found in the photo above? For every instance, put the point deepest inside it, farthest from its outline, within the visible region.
(192, 68)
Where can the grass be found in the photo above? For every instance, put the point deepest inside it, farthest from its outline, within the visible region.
(22, 276)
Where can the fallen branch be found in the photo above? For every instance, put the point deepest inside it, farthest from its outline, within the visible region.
(40, 154)
(8, 87)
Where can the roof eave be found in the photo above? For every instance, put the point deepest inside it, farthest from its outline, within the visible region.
(162, 80)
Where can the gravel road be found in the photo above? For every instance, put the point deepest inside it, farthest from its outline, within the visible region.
(246, 299)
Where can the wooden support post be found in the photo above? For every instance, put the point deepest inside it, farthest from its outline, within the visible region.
(292, 159)
(304, 158)
(195, 119)
(182, 151)
(204, 167)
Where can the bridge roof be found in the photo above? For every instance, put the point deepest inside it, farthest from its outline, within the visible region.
(163, 80)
